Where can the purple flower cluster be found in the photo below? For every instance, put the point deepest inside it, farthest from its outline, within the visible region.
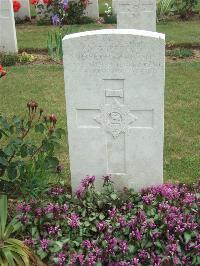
(56, 191)
(61, 259)
(73, 220)
(56, 20)
(101, 226)
(65, 4)
(85, 183)
(53, 230)
(44, 243)
(159, 226)
(29, 242)
(23, 207)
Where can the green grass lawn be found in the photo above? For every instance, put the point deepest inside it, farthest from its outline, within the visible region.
(31, 36)
(181, 32)
(45, 84)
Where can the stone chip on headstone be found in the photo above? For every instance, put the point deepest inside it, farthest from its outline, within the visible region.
(8, 39)
(136, 14)
(114, 84)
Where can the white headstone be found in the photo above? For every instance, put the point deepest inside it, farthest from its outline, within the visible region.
(92, 9)
(8, 39)
(24, 11)
(114, 84)
(114, 7)
(136, 14)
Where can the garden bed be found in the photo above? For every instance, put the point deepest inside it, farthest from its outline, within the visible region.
(159, 226)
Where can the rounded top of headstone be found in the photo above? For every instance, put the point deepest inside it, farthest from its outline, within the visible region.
(133, 32)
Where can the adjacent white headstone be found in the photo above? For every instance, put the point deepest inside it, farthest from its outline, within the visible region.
(114, 84)
(114, 7)
(8, 39)
(24, 12)
(92, 9)
(136, 14)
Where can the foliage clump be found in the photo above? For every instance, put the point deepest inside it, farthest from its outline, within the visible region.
(13, 251)
(183, 8)
(27, 151)
(180, 53)
(59, 12)
(10, 59)
(159, 226)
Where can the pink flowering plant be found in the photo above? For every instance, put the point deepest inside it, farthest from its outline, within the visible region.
(66, 11)
(59, 12)
(158, 226)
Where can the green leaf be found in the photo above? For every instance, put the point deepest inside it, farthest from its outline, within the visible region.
(12, 172)
(187, 237)
(86, 223)
(16, 120)
(59, 132)
(4, 162)
(19, 259)
(24, 151)
(131, 249)
(76, 243)
(4, 213)
(42, 254)
(52, 161)
(113, 196)
(84, 213)
(17, 141)
(1, 261)
(94, 229)
(101, 216)
(9, 257)
(8, 151)
(3, 133)
(34, 231)
(12, 227)
(91, 218)
(158, 244)
(56, 249)
(39, 128)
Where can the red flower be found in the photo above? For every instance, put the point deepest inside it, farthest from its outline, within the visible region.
(16, 5)
(2, 72)
(34, 2)
(85, 3)
(47, 2)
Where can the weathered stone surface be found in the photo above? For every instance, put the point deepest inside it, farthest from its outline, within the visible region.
(24, 12)
(114, 7)
(8, 40)
(136, 14)
(114, 84)
(92, 9)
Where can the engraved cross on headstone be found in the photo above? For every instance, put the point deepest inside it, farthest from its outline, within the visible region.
(116, 119)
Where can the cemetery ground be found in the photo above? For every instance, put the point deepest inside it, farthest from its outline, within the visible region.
(177, 33)
(181, 102)
(45, 83)
(156, 226)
